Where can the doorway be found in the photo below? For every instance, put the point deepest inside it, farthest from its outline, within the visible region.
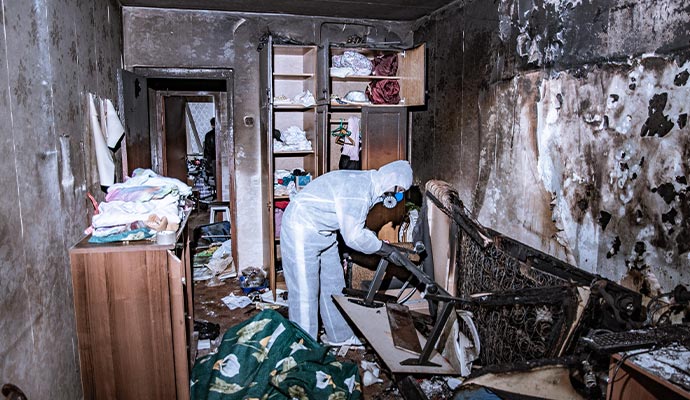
(186, 136)
(165, 126)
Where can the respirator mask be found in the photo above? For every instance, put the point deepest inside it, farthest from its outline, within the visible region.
(391, 199)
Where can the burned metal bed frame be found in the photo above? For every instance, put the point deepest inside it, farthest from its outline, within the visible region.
(527, 305)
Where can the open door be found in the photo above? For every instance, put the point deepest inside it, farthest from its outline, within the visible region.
(135, 102)
(265, 100)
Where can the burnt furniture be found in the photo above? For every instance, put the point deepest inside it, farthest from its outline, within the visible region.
(134, 318)
(631, 379)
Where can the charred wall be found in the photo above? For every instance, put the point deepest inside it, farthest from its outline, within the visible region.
(215, 39)
(565, 126)
(53, 53)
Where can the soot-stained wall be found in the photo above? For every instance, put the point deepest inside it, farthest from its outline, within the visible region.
(52, 52)
(195, 39)
(564, 124)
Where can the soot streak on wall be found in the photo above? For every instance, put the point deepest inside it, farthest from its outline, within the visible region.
(565, 124)
(53, 53)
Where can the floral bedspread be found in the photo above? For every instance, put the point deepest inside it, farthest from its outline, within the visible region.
(269, 357)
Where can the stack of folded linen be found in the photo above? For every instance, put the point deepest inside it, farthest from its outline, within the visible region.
(139, 207)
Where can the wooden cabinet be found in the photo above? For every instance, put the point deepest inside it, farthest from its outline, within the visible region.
(410, 76)
(288, 108)
(286, 72)
(134, 316)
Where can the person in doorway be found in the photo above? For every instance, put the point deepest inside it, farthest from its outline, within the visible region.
(210, 149)
(336, 201)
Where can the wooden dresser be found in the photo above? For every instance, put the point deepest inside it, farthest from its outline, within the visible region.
(134, 316)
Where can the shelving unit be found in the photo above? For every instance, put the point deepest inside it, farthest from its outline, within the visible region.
(290, 70)
(290, 80)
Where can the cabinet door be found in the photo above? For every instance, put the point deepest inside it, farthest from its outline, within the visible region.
(384, 135)
(178, 322)
(267, 124)
(123, 316)
(412, 72)
(384, 140)
(323, 138)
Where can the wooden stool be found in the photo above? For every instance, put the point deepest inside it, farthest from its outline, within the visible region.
(219, 206)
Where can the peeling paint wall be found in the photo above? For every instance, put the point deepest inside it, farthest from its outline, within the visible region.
(571, 133)
(52, 52)
(230, 40)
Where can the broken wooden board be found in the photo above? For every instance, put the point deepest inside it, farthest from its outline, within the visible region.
(374, 325)
(549, 382)
(402, 328)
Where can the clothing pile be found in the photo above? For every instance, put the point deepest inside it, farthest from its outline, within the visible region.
(350, 63)
(287, 183)
(306, 99)
(384, 91)
(292, 139)
(144, 204)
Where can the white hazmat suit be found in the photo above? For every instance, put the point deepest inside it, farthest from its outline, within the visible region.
(336, 201)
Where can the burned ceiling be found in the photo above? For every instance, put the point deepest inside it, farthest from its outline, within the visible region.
(391, 10)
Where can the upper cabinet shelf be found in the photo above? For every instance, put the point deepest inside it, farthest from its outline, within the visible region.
(362, 77)
(291, 107)
(296, 77)
(294, 62)
(408, 80)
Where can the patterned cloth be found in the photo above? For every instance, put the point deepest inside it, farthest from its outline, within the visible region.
(269, 357)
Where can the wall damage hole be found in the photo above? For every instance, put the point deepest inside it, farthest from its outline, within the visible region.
(657, 124)
(614, 98)
(666, 191)
(682, 78)
(682, 120)
(615, 247)
(670, 216)
(604, 219)
(640, 248)
(682, 180)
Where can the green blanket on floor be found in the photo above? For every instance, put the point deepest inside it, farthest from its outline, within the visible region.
(269, 357)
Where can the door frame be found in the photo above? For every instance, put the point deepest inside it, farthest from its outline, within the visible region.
(224, 128)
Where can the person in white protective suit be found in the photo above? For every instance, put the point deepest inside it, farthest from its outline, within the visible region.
(336, 201)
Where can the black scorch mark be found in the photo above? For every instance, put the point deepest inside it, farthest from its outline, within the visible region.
(670, 216)
(604, 219)
(666, 191)
(682, 78)
(615, 247)
(657, 123)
